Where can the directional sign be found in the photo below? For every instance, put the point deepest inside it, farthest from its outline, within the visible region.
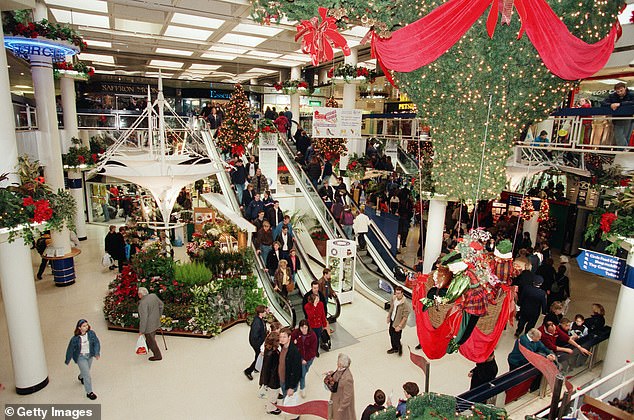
(602, 264)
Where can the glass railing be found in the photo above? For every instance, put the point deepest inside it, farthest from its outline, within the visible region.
(409, 163)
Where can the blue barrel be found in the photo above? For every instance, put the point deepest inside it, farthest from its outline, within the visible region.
(63, 271)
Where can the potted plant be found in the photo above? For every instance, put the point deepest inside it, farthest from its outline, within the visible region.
(319, 237)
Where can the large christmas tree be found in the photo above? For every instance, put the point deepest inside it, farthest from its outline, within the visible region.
(236, 130)
(452, 93)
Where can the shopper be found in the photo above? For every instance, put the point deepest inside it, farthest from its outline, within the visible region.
(269, 377)
(40, 245)
(111, 245)
(397, 319)
(306, 341)
(239, 178)
(361, 226)
(347, 220)
(379, 401)
(483, 372)
(531, 340)
(621, 96)
(150, 311)
(532, 302)
(343, 400)
(410, 389)
(290, 366)
(257, 333)
(82, 348)
(316, 316)
(283, 279)
(596, 321)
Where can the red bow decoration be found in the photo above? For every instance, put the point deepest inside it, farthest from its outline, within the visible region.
(320, 37)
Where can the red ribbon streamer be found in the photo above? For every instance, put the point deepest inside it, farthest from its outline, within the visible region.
(320, 37)
(318, 408)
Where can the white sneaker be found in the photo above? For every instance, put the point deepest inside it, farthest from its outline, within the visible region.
(302, 393)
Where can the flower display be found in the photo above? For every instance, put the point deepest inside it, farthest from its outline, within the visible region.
(290, 87)
(527, 209)
(19, 23)
(614, 223)
(81, 68)
(79, 156)
(606, 221)
(349, 72)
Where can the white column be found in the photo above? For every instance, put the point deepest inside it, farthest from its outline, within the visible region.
(76, 188)
(532, 226)
(69, 105)
(621, 344)
(323, 75)
(44, 86)
(40, 12)
(296, 74)
(435, 225)
(350, 102)
(16, 270)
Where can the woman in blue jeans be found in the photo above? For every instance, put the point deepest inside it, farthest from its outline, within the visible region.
(82, 348)
(306, 341)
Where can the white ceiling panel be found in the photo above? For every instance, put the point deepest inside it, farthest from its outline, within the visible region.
(166, 64)
(100, 44)
(260, 30)
(187, 33)
(243, 40)
(96, 57)
(260, 70)
(199, 21)
(170, 51)
(137, 26)
(82, 19)
(231, 49)
(219, 56)
(197, 66)
(90, 5)
(263, 54)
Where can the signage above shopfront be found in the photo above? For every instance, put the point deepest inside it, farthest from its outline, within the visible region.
(602, 264)
(29, 47)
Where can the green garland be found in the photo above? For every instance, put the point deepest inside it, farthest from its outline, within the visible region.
(20, 23)
(452, 93)
(614, 222)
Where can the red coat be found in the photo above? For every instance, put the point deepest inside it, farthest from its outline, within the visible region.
(315, 315)
(307, 344)
(552, 341)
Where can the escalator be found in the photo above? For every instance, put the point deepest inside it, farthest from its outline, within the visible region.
(408, 164)
(367, 279)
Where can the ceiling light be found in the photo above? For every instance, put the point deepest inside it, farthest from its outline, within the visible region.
(156, 74)
(165, 63)
(610, 81)
(202, 22)
(285, 63)
(23, 86)
(174, 52)
(219, 56)
(138, 26)
(102, 44)
(188, 33)
(96, 57)
(76, 18)
(92, 5)
(296, 57)
(256, 29)
(245, 40)
(264, 54)
(231, 50)
(203, 67)
(261, 70)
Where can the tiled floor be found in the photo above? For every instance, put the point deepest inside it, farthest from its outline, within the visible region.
(202, 379)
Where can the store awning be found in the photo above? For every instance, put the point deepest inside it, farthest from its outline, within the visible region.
(219, 202)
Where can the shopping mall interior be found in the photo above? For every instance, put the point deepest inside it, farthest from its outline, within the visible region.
(466, 164)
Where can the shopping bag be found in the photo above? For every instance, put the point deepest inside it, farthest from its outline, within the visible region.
(291, 400)
(258, 362)
(263, 391)
(107, 260)
(141, 346)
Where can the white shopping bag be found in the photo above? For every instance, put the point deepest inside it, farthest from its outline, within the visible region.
(258, 362)
(107, 260)
(291, 400)
(141, 346)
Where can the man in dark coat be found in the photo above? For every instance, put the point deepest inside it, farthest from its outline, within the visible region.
(532, 304)
(150, 310)
(115, 246)
(290, 366)
(621, 96)
(238, 178)
(257, 334)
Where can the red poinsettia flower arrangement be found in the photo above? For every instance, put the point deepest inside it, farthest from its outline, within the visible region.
(40, 208)
(363, 72)
(278, 86)
(352, 165)
(302, 85)
(606, 221)
(331, 72)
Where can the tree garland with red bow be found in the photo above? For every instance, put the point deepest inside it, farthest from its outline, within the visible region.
(236, 130)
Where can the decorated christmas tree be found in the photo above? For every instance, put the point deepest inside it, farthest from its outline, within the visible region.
(484, 87)
(236, 130)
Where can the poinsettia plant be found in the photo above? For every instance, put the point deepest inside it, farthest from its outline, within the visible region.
(349, 72)
(82, 69)
(292, 86)
(21, 23)
(79, 156)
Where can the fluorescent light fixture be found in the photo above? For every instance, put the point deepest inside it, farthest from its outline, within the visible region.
(156, 74)
(102, 44)
(261, 70)
(284, 63)
(358, 31)
(138, 26)
(23, 87)
(188, 33)
(91, 5)
(262, 30)
(219, 56)
(77, 18)
(204, 67)
(263, 54)
(174, 52)
(165, 63)
(610, 81)
(296, 57)
(201, 22)
(97, 57)
(231, 49)
(245, 40)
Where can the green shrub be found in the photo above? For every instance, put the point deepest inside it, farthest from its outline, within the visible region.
(192, 274)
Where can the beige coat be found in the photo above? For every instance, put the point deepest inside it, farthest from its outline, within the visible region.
(402, 312)
(343, 399)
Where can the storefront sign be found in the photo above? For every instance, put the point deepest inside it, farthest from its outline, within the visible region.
(336, 123)
(29, 47)
(602, 264)
(219, 94)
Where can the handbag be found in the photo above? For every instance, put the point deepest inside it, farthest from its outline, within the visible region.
(290, 286)
(331, 383)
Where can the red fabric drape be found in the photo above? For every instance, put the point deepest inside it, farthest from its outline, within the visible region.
(317, 408)
(423, 41)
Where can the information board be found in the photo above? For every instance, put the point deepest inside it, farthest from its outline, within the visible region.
(602, 264)
(336, 123)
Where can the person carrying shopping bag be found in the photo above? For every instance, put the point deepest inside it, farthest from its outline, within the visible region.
(82, 348)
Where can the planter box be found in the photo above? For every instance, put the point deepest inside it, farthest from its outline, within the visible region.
(178, 333)
(321, 246)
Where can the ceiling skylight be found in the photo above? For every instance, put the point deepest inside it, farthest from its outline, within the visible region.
(203, 67)
(77, 18)
(91, 5)
(285, 63)
(202, 22)
(102, 44)
(138, 26)
(263, 54)
(174, 52)
(245, 40)
(188, 33)
(257, 29)
(296, 57)
(229, 49)
(165, 63)
(97, 57)
(260, 70)
(219, 56)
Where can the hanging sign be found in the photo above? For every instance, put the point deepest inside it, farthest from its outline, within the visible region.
(336, 123)
(602, 264)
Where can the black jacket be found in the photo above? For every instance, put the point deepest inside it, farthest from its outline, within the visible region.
(293, 367)
(239, 175)
(628, 99)
(257, 333)
(532, 301)
(270, 216)
(269, 375)
(115, 245)
(272, 262)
